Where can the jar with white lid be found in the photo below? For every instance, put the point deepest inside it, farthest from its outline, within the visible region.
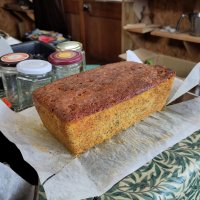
(75, 46)
(8, 72)
(32, 74)
(66, 63)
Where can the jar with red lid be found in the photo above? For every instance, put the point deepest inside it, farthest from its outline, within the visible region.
(8, 73)
(75, 46)
(66, 63)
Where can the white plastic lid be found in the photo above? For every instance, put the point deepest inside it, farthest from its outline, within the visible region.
(34, 67)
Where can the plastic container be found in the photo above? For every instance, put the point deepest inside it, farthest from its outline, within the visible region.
(32, 74)
(8, 72)
(75, 46)
(38, 50)
(66, 63)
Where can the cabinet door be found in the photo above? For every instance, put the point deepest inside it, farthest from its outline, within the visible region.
(73, 19)
(102, 24)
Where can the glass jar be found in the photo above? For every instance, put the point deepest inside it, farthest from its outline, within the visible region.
(75, 46)
(32, 74)
(66, 63)
(8, 73)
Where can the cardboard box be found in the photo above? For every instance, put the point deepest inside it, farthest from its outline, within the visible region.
(181, 66)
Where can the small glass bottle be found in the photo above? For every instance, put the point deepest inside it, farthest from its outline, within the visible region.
(66, 63)
(8, 72)
(32, 74)
(75, 46)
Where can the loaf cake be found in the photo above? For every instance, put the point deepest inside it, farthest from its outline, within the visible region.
(85, 109)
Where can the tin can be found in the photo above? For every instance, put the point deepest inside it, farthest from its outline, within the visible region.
(75, 46)
(66, 63)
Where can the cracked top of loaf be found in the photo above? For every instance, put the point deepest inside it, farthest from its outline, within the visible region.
(80, 95)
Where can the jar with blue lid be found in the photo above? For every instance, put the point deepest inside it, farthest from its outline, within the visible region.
(66, 63)
(32, 74)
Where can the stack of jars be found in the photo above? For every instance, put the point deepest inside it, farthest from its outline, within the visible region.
(75, 46)
(21, 74)
(68, 60)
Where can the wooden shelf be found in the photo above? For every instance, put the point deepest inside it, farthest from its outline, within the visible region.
(140, 28)
(177, 36)
(134, 11)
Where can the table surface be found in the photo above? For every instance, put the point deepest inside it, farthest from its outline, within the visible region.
(172, 175)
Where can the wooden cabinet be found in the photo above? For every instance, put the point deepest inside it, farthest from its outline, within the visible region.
(73, 18)
(97, 24)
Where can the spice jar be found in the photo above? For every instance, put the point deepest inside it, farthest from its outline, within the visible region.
(9, 73)
(75, 46)
(66, 63)
(32, 74)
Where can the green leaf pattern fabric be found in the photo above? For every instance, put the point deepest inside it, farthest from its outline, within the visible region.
(172, 175)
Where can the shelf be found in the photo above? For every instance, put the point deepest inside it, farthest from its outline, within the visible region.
(140, 28)
(177, 36)
(16, 8)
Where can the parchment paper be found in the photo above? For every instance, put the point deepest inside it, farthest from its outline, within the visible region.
(5, 47)
(97, 170)
(191, 81)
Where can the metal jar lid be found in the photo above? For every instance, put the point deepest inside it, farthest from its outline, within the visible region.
(65, 57)
(70, 45)
(11, 59)
(34, 67)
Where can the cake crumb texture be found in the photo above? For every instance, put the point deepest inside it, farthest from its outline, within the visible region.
(85, 109)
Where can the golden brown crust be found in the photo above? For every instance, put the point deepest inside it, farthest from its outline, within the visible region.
(82, 134)
(81, 95)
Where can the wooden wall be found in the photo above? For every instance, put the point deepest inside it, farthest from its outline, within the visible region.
(165, 13)
(168, 12)
(14, 25)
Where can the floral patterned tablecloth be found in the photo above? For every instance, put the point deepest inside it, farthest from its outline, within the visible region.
(172, 175)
